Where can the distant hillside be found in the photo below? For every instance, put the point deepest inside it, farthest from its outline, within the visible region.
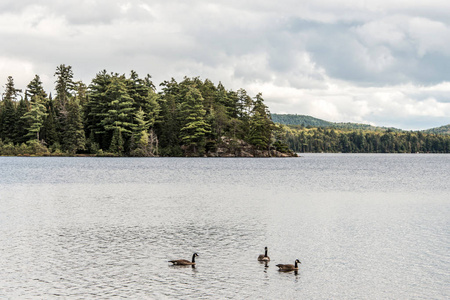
(439, 130)
(302, 120)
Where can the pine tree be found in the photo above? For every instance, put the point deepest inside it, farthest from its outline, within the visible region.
(64, 87)
(11, 93)
(8, 120)
(9, 116)
(74, 137)
(117, 143)
(81, 92)
(140, 128)
(168, 124)
(35, 88)
(261, 125)
(120, 112)
(96, 109)
(37, 112)
(49, 130)
(140, 138)
(195, 127)
(142, 91)
(21, 125)
(35, 118)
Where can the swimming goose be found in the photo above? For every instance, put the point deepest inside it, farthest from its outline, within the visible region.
(264, 257)
(184, 262)
(289, 267)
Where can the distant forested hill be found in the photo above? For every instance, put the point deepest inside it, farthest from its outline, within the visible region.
(300, 120)
(439, 130)
(307, 121)
(307, 134)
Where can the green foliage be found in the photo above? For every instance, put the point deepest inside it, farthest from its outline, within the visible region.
(439, 130)
(299, 121)
(74, 137)
(8, 113)
(125, 116)
(35, 116)
(64, 86)
(33, 147)
(358, 141)
(114, 101)
(49, 131)
(260, 125)
(117, 145)
(11, 93)
(119, 110)
(195, 128)
(21, 125)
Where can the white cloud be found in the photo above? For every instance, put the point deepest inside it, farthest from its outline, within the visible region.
(393, 104)
(383, 62)
(22, 71)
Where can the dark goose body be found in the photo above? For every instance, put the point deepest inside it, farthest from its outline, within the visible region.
(264, 257)
(184, 262)
(289, 267)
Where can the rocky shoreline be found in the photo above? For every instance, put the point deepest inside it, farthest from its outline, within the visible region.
(239, 148)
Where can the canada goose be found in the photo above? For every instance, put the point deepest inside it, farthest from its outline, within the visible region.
(288, 267)
(264, 257)
(184, 262)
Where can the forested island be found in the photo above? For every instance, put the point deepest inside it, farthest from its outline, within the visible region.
(308, 134)
(119, 115)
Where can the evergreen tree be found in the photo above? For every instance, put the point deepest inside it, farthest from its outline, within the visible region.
(37, 112)
(96, 109)
(64, 93)
(142, 91)
(8, 120)
(8, 111)
(11, 93)
(9, 117)
(35, 89)
(74, 137)
(219, 120)
(261, 125)
(81, 93)
(49, 130)
(195, 127)
(21, 125)
(35, 118)
(143, 143)
(117, 143)
(168, 125)
(120, 112)
(64, 87)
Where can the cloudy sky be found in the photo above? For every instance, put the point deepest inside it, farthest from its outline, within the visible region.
(381, 62)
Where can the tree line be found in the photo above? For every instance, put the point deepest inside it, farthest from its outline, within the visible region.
(125, 116)
(308, 139)
(308, 121)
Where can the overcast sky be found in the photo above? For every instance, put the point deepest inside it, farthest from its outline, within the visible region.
(381, 62)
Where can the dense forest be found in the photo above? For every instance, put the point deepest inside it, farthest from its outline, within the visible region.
(439, 130)
(310, 139)
(307, 134)
(308, 121)
(119, 115)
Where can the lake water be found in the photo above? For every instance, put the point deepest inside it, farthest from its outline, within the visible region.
(363, 226)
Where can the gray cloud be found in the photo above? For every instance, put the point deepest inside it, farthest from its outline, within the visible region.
(325, 58)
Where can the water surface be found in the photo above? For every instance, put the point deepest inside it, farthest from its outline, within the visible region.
(363, 226)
